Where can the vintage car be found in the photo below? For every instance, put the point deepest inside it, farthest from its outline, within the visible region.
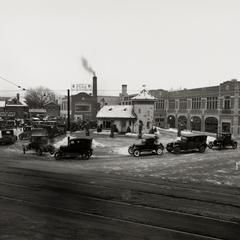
(77, 147)
(39, 141)
(149, 144)
(188, 143)
(223, 140)
(26, 134)
(7, 136)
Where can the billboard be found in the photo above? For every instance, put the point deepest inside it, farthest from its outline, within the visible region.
(81, 87)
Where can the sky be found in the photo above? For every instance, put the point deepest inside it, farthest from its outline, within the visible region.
(164, 44)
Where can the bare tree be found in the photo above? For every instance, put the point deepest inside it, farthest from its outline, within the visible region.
(37, 97)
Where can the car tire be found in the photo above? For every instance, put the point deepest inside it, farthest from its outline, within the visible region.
(159, 151)
(234, 145)
(177, 150)
(210, 145)
(58, 155)
(202, 149)
(136, 153)
(169, 149)
(130, 150)
(85, 156)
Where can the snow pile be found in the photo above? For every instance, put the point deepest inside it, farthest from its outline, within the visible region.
(210, 139)
(64, 141)
(121, 150)
(104, 132)
(96, 144)
(131, 134)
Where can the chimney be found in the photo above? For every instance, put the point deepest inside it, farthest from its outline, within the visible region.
(18, 97)
(124, 90)
(94, 86)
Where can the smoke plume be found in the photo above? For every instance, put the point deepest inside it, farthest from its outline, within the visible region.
(86, 66)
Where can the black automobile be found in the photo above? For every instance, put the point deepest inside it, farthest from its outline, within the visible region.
(148, 145)
(78, 147)
(222, 141)
(39, 142)
(7, 136)
(188, 143)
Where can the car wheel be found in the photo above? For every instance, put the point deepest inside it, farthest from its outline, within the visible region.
(177, 150)
(86, 156)
(202, 149)
(159, 151)
(169, 149)
(130, 150)
(136, 153)
(210, 145)
(57, 155)
(234, 145)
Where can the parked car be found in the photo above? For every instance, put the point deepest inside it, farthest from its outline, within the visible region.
(223, 140)
(7, 136)
(39, 142)
(188, 143)
(78, 147)
(149, 144)
(26, 134)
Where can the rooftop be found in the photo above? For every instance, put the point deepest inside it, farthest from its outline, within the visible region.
(116, 111)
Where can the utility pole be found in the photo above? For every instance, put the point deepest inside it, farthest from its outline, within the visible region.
(68, 113)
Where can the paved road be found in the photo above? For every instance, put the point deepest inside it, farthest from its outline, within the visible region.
(45, 205)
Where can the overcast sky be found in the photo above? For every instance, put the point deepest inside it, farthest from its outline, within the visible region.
(161, 43)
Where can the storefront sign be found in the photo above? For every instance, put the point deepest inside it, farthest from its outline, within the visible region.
(79, 87)
(7, 114)
(36, 110)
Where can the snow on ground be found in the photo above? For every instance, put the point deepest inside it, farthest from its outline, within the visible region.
(104, 132)
(121, 150)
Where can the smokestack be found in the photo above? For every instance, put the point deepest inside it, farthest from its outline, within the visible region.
(124, 90)
(94, 86)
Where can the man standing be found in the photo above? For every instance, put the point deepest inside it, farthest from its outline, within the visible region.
(140, 127)
(112, 129)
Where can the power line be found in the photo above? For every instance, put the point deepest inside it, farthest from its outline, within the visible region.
(6, 80)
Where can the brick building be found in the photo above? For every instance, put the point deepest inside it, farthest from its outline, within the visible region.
(83, 106)
(210, 109)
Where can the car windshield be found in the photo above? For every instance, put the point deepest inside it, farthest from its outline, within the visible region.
(183, 138)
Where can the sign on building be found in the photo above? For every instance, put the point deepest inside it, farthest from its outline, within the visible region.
(7, 114)
(80, 87)
(36, 110)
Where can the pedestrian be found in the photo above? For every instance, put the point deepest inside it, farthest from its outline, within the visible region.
(112, 127)
(140, 127)
(87, 128)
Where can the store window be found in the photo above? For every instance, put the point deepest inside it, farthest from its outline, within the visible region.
(212, 103)
(196, 103)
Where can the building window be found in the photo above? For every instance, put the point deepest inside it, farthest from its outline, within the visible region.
(196, 103)
(139, 110)
(82, 108)
(171, 104)
(227, 102)
(160, 104)
(183, 103)
(212, 103)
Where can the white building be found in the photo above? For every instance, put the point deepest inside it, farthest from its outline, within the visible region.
(122, 115)
(140, 108)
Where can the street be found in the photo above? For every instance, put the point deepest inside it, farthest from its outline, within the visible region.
(117, 196)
